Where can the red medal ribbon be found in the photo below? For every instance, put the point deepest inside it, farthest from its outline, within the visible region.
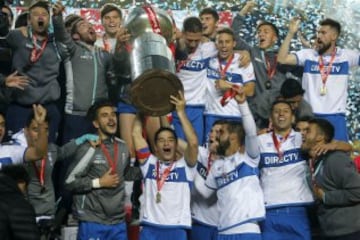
(183, 62)
(40, 173)
(154, 21)
(227, 65)
(209, 164)
(112, 162)
(36, 53)
(278, 143)
(324, 72)
(160, 181)
(271, 68)
(228, 95)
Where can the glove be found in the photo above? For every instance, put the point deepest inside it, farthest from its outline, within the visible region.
(86, 138)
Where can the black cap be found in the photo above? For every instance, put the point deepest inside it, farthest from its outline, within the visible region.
(40, 3)
(291, 88)
(108, 7)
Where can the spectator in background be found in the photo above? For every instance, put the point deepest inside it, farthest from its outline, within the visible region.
(22, 19)
(9, 14)
(17, 216)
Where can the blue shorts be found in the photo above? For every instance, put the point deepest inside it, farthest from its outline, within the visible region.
(209, 122)
(241, 236)
(126, 108)
(339, 123)
(203, 232)
(91, 230)
(156, 233)
(286, 223)
(195, 115)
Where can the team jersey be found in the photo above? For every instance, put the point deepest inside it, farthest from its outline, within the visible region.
(203, 210)
(235, 75)
(240, 197)
(192, 73)
(11, 154)
(174, 208)
(283, 179)
(334, 101)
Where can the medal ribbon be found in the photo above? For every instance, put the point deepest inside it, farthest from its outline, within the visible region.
(183, 62)
(227, 65)
(160, 181)
(112, 162)
(278, 143)
(325, 72)
(36, 53)
(271, 68)
(209, 164)
(107, 46)
(40, 174)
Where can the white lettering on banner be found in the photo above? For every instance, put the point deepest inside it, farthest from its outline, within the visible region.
(195, 65)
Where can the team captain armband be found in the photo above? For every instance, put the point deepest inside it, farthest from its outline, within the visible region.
(143, 153)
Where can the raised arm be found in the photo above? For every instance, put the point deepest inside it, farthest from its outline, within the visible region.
(140, 143)
(40, 149)
(284, 57)
(191, 151)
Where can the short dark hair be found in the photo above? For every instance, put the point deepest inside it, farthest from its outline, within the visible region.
(39, 3)
(22, 19)
(304, 119)
(192, 24)
(237, 128)
(220, 122)
(93, 110)
(266, 23)
(210, 11)
(74, 23)
(332, 23)
(325, 127)
(291, 88)
(109, 7)
(16, 172)
(281, 101)
(163, 129)
(226, 31)
(70, 19)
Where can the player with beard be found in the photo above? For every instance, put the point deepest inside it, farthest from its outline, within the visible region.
(96, 177)
(282, 173)
(165, 207)
(87, 76)
(326, 72)
(34, 58)
(234, 177)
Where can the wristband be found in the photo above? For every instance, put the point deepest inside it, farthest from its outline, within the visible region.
(143, 153)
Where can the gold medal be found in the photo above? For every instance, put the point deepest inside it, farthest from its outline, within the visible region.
(323, 90)
(158, 197)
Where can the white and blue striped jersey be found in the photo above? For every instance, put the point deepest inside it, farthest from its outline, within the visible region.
(193, 73)
(204, 210)
(235, 75)
(334, 101)
(283, 180)
(174, 208)
(240, 197)
(11, 154)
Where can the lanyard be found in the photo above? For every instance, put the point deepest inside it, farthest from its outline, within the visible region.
(324, 72)
(160, 181)
(112, 162)
(40, 173)
(209, 164)
(278, 143)
(35, 52)
(270, 68)
(227, 65)
(107, 45)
